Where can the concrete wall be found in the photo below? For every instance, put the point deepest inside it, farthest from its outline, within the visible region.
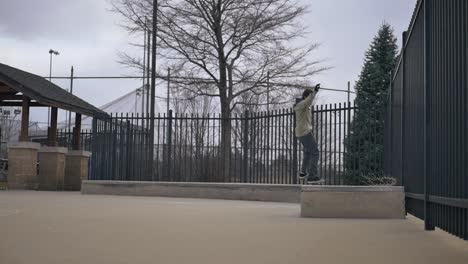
(353, 202)
(22, 165)
(51, 168)
(76, 169)
(226, 191)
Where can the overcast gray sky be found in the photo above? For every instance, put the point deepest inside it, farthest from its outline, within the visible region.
(89, 38)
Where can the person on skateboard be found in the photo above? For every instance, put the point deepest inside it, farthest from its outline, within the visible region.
(303, 131)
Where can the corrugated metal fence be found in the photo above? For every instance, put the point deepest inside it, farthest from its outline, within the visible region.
(427, 122)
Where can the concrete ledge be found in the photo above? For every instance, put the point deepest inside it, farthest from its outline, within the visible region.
(79, 153)
(313, 188)
(53, 150)
(353, 202)
(24, 145)
(226, 191)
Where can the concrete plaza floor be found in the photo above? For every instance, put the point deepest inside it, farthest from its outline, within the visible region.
(68, 228)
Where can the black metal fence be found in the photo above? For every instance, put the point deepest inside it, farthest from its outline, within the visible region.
(65, 139)
(427, 128)
(188, 147)
(121, 149)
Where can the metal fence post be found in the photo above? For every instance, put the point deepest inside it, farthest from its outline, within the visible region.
(294, 142)
(245, 154)
(128, 168)
(169, 144)
(94, 139)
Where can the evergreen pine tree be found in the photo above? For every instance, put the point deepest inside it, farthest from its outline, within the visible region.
(364, 144)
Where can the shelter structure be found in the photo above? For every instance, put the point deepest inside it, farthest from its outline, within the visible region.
(27, 90)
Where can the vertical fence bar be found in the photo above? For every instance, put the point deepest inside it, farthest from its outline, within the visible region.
(325, 146)
(331, 145)
(286, 147)
(428, 222)
(191, 152)
(245, 151)
(138, 147)
(273, 164)
(106, 148)
(269, 148)
(114, 124)
(402, 131)
(217, 167)
(252, 146)
(127, 164)
(156, 148)
(95, 152)
(257, 152)
(211, 154)
(262, 146)
(180, 162)
(294, 144)
(133, 146)
(334, 145)
(185, 150)
(340, 140)
(180, 165)
(348, 151)
(169, 146)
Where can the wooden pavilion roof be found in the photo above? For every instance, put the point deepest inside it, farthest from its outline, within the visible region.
(41, 92)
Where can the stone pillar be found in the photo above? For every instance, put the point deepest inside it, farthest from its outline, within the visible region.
(22, 165)
(76, 169)
(52, 168)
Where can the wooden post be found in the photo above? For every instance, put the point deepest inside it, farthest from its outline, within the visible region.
(53, 127)
(25, 120)
(77, 132)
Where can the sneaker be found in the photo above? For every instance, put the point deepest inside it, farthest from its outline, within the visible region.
(302, 179)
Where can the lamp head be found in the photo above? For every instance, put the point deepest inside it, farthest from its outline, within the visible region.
(51, 51)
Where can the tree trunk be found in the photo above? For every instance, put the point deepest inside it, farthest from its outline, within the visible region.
(225, 142)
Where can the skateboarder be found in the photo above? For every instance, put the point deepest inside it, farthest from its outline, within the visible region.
(303, 109)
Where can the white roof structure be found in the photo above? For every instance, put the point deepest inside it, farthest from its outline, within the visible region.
(131, 102)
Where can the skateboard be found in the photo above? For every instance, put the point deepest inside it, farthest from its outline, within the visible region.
(303, 181)
(321, 182)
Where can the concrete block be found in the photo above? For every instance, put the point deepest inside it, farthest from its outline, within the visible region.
(76, 169)
(226, 191)
(353, 202)
(22, 165)
(52, 168)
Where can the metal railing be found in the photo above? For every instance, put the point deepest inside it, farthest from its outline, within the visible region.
(262, 147)
(65, 139)
(427, 124)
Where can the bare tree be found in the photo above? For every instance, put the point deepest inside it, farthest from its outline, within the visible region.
(233, 43)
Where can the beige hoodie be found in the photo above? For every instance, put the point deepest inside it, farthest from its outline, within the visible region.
(304, 116)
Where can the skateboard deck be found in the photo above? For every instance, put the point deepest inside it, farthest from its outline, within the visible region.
(303, 181)
(321, 182)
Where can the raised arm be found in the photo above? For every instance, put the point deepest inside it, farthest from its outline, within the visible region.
(306, 103)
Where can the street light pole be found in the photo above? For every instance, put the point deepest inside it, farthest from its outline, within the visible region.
(51, 52)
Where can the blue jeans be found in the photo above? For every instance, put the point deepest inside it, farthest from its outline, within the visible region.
(311, 155)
